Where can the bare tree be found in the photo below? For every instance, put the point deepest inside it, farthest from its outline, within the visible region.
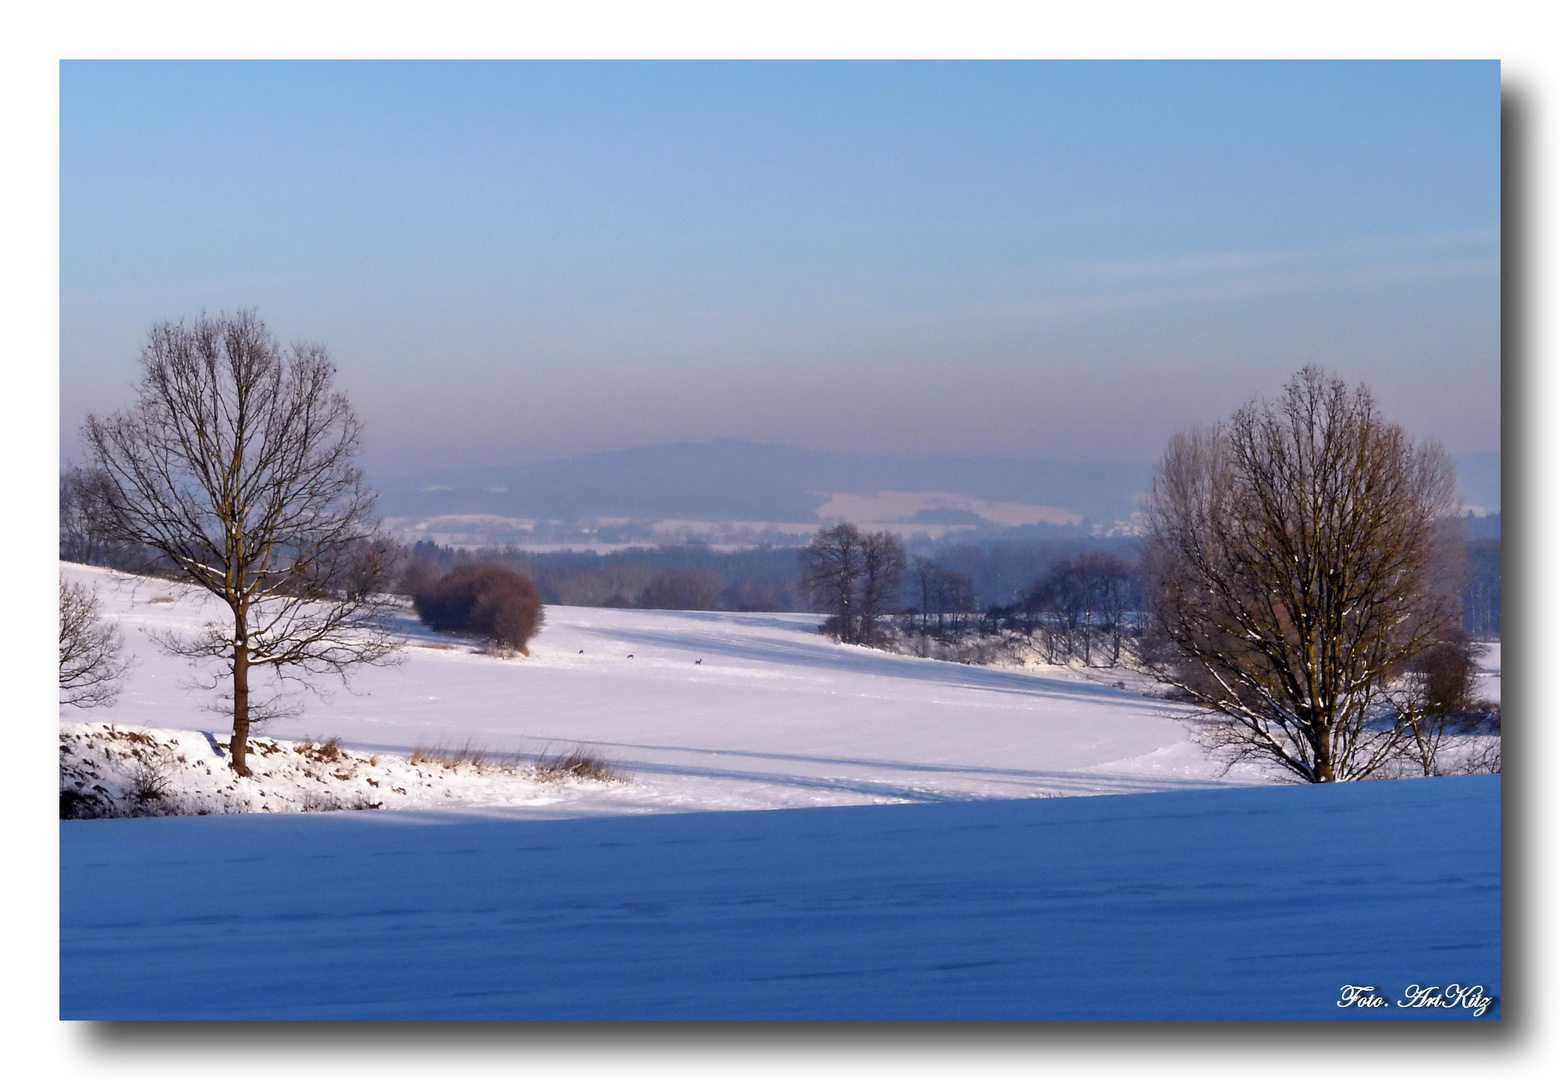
(91, 650)
(1433, 701)
(855, 577)
(1110, 586)
(956, 599)
(928, 579)
(1296, 568)
(82, 537)
(946, 594)
(882, 573)
(830, 569)
(1037, 605)
(1060, 598)
(235, 465)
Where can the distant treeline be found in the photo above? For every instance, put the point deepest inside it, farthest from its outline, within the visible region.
(1001, 575)
(1481, 598)
(695, 577)
(688, 577)
(1002, 572)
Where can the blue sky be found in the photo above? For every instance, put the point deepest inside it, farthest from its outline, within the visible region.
(518, 261)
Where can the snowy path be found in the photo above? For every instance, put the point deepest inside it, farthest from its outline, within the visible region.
(1255, 903)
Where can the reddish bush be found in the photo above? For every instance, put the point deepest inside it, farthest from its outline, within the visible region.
(501, 605)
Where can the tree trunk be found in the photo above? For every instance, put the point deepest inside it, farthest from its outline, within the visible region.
(1324, 761)
(240, 744)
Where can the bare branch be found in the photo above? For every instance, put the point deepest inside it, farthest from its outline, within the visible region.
(855, 576)
(91, 650)
(236, 466)
(1296, 569)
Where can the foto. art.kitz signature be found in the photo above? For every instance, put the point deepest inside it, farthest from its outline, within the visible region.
(1450, 996)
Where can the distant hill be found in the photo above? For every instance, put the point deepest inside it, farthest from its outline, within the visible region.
(733, 480)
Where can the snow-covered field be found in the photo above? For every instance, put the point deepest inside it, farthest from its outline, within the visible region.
(1259, 903)
(491, 892)
(706, 710)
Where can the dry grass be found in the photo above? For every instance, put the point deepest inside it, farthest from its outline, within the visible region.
(325, 752)
(254, 746)
(577, 764)
(150, 780)
(475, 756)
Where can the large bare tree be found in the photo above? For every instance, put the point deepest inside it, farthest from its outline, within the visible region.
(1298, 566)
(236, 466)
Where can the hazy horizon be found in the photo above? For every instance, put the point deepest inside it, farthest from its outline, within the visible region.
(743, 481)
(1067, 261)
(422, 473)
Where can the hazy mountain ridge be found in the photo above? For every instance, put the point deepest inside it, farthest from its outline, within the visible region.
(734, 480)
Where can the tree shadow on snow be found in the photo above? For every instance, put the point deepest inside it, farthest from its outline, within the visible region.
(1025, 782)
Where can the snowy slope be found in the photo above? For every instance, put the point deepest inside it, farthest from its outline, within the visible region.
(988, 901)
(1255, 903)
(708, 711)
